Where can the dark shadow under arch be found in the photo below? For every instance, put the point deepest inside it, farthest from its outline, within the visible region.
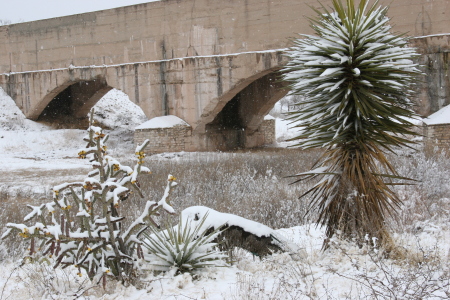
(238, 124)
(70, 107)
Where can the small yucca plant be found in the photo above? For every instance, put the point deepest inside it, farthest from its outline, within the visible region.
(185, 247)
(355, 79)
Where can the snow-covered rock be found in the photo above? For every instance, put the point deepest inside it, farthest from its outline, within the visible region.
(217, 219)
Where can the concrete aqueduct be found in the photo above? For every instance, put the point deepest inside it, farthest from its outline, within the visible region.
(213, 63)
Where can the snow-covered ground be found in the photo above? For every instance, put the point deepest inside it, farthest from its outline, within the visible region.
(343, 272)
(36, 157)
(30, 150)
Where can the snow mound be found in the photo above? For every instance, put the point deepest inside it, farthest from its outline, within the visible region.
(162, 122)
(115, 110)
(442, 116)
(12, 118)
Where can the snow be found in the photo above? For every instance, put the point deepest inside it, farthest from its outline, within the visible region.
(163, 122)
(30, 148)
(417, 121)
(217, 219)
(284, 129)
(27, 144)
(442, 116)
(330, 71)
(279, 275)
(12, 118)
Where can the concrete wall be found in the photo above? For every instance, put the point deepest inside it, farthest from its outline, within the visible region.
(437, 137)
(121, 38)
(174, 28)
(434, 87)
(269, 129)
(194, 89)
(172, 139)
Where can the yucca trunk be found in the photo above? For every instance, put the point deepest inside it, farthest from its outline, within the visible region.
(354, 200)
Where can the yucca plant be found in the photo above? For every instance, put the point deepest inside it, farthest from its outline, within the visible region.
(355, 80)
(185, 247)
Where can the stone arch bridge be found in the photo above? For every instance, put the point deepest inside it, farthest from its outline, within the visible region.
(212, 63)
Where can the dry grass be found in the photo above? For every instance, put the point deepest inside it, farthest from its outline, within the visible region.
(250, 184)
(428, 200)
(253, 184)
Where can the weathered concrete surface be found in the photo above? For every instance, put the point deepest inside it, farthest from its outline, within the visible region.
(186, 58)
(174, 28)
(437, 139)
(435, 85)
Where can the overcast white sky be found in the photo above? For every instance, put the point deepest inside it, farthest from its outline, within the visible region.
(30, 10)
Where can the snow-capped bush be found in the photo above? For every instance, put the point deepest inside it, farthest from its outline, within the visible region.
(185, 247)
(82, 226)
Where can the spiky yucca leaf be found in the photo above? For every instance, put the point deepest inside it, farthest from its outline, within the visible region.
(355, 78)
(184, 247)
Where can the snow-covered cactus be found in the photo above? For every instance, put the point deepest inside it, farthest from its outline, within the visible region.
(82, 225)
(355, 78)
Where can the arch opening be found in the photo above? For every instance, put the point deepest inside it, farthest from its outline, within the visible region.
(69, 108)
(227, 128)
(241, 124)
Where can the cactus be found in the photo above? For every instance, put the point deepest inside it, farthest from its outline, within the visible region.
(82, 225)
